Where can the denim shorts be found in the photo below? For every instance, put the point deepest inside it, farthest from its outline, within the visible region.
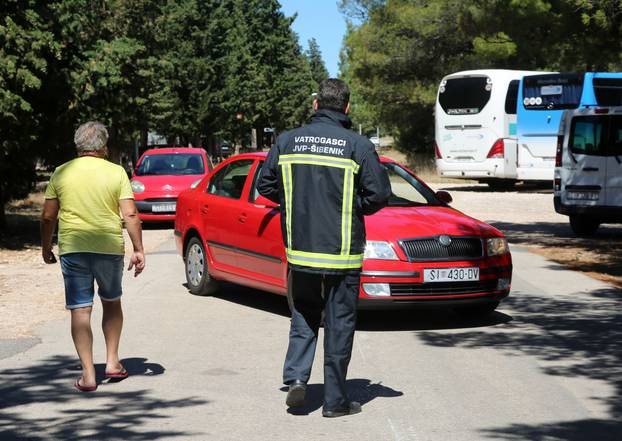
(81, 270)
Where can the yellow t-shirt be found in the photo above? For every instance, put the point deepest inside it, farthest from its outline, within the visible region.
(88, 190)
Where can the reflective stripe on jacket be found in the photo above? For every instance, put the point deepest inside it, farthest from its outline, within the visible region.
(325, 177)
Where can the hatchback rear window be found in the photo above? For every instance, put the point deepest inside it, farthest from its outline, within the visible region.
(586, 135)
(464, 96)
(552, 91)
(171, 164)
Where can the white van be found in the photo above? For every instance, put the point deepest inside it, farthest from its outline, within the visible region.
(475, 126)
(588, 168)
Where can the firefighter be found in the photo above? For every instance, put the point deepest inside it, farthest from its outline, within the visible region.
(325, 178)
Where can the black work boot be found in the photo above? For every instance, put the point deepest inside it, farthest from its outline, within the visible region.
(296, 393)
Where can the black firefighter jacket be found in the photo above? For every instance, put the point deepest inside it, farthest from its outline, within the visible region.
(326, 178)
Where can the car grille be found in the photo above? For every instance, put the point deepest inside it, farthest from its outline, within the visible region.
(430, 248)
(442, 288)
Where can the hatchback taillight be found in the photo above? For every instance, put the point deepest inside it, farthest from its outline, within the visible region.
(558, 152)
(437, 151)
(497, 150)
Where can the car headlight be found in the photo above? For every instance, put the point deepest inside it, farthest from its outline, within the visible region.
(137, 186)
(379, 250)
(497, 246)
(195, 183)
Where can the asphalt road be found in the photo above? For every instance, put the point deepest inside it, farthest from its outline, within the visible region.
(547, 366)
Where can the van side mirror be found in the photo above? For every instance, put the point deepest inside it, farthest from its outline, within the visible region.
(263, 202)
(444, 196)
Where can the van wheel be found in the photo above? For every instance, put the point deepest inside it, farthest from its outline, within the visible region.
(197, 273)
(583, 225)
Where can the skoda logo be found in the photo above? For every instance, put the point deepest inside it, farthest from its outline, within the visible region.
(444, 240)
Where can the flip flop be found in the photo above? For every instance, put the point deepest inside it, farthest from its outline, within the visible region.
(81, 388)
(123, 373)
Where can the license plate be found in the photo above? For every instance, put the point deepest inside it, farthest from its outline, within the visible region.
(582, 195)
(164, 208)
(451, 274)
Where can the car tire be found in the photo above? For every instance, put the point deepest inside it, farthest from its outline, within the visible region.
(583, 225)
(197, 272)
(475, 311)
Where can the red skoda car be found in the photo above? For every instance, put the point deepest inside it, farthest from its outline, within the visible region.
(161, 174)
(419, 251)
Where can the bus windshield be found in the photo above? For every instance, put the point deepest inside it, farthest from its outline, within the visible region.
(552, 91)
(464, 96)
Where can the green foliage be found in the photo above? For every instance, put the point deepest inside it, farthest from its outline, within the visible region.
(181, 68)
(398, 50)
(318, 69)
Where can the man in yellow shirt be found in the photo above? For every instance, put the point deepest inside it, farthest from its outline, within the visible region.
(86, 195)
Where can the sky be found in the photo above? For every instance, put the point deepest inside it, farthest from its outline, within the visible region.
(319, 19)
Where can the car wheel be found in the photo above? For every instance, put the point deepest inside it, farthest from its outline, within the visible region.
(481, 310)
(197, 273)
(583, 225)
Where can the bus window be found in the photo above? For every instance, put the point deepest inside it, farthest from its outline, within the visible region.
(586, 136)
(511, 97)
(552, 92)
(608, 91)
(464, 96)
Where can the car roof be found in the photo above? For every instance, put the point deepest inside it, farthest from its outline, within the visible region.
(263, 155)
(169, 150)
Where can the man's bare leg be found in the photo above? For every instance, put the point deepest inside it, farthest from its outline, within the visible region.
(112, 324)
(83, 340)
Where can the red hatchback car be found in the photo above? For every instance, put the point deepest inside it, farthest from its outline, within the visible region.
(419, 251)
(161, 174)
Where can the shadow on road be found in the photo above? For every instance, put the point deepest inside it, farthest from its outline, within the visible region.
(394, 320)
(358, 389)
(544, 188)
(425, 319)
(574, 336)
(70, 414)
(599, 253)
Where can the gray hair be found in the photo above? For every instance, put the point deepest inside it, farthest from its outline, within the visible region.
(91, 136)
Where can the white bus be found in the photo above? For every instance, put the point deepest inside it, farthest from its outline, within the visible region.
(475, 126)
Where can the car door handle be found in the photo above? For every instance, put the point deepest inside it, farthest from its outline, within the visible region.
(590, 169)
(242, 218)
(204, 209)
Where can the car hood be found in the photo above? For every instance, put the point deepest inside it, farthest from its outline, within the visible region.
(168, 184)
(395, 223)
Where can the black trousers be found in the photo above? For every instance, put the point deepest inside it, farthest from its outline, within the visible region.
(309, 295)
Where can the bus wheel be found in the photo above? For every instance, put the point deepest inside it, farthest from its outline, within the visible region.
(501, 184)
(583, 225)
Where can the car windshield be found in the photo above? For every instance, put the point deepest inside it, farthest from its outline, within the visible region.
(406, 190)
(171, 164)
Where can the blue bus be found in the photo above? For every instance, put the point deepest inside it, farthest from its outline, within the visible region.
(541, 101)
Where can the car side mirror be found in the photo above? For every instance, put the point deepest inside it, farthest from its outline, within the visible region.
(444, 196)
(263, 202)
